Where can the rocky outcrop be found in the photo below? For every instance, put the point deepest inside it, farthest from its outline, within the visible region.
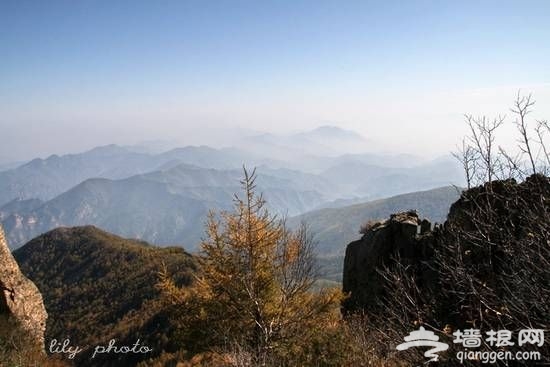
(22, 312)
(492, 231)
(401, 235)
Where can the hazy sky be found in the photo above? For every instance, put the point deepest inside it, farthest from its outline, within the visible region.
(74, 74)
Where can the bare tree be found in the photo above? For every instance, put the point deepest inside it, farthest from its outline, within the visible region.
(482, 141)
(521, 108)
(541, 129)
(511, 167)
(468, 157)
(489, 262)
(483, 161)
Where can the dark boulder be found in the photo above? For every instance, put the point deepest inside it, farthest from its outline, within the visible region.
(402, 235)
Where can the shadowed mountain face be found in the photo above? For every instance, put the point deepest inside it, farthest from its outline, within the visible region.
(46, 178)
(163, 207)
(19, 206)
(97, 286)
(170, 207)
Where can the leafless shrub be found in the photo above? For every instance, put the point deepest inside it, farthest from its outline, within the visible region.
(482, 146)
(468, 157)
(489, 264)
(484, 161)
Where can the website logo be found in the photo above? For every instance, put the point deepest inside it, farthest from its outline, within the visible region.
(424, 338)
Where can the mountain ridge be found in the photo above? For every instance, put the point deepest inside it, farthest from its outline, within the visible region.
(164, 207)
(97, 286)
(332, 237)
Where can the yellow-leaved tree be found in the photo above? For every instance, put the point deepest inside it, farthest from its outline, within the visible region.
(254, 290)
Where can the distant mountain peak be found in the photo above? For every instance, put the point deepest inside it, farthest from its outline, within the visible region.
(335, 132)
(109, 149)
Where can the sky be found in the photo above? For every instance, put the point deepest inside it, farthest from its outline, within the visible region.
(77, 74)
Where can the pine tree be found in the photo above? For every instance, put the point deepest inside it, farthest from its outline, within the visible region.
(254, 288)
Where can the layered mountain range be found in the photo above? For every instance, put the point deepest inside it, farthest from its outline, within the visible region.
(164, 198)
(97, 286)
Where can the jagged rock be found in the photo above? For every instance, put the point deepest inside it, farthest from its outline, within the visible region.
(22, 312)
(513, 215)
(400, 235)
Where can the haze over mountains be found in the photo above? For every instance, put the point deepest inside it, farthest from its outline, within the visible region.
(334, 228)
(164, 197)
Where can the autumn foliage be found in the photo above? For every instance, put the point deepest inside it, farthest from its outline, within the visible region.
(253, 298)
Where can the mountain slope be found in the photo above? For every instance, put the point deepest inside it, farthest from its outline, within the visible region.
(96, 285)
(163, 207)
(359, 178)
(334, 228)
(47, 178)
(19, 206)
